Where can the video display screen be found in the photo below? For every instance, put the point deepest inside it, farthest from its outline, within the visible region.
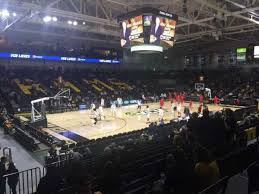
(147, 20)
(148, 26)
(132, 31)
(241, 54)
(256, 52)
(162, 31)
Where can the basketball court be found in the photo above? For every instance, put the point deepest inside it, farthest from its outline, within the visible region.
(128, 119)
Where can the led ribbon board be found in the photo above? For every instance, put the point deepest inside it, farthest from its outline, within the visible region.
(58, 58)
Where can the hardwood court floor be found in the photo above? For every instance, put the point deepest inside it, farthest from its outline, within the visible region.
(127, 119)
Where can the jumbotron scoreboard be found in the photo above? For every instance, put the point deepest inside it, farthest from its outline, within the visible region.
(147, 29)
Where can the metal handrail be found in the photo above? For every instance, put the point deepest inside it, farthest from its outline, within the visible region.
(223, 180)
(28, 181)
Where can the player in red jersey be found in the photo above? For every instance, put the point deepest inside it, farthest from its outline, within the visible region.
(190, 105)
(216, 100)
(201, 98)
(182, 98)
(200, 109)
(162, 102)
(177, 98)
(170, 97)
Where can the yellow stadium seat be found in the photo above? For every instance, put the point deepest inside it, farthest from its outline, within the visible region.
(251, 133)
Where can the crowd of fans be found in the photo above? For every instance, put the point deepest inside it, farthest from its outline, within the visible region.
(231, 87)
(180, 157)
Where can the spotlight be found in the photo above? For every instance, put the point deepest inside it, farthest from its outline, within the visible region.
(5, 13)
(54, 19)
(47, 19)
(14, 14)
(75, 23)
(69, 22)
(83, 23)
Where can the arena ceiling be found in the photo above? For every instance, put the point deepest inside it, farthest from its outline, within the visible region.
(203, 20)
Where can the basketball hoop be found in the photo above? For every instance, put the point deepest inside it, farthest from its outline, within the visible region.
(199, 86)
(37, 115)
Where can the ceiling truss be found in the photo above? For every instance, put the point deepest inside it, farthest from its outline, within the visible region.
(97, 18)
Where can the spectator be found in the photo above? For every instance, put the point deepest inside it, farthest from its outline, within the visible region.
(12, 179)
(110, 179)
(49, 183)
(2, 173)
(52, 154)
(169, 172)
(231, 125)
(206, 170)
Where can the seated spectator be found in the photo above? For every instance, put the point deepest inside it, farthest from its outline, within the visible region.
(110, 179)
(231, 125)
(49, 184)
(77, 156)
(253, 177)
(206, 170)
(169, 172)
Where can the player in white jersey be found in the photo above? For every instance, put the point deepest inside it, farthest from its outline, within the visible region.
(102, 102)
(92, 106)
(119, 100)
(139, 105)
(94, 116)
(113, 109)
(148, 114)
(172, 107)
(179, 109)
(160, 114)
(101, 112)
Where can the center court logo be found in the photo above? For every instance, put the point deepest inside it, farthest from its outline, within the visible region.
(144, 112)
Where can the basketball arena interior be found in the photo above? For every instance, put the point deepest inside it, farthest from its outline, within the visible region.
(129, 96)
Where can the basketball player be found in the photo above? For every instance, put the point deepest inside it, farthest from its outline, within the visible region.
(175, 107)
(101, 112)
(102, 102)
(182, 98)
(170, 97)
(200, 109)
(139, 105)
(161, 114)
(113, 109)
(177, 97)
(162, 102)
(143, 98)
(120, 102)
(172, 107)
(208, 90)
(148, 114)
(179, 109)
(201, 98)
(95, 116)
(92, 106)
(190, 105)
(216, 100)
